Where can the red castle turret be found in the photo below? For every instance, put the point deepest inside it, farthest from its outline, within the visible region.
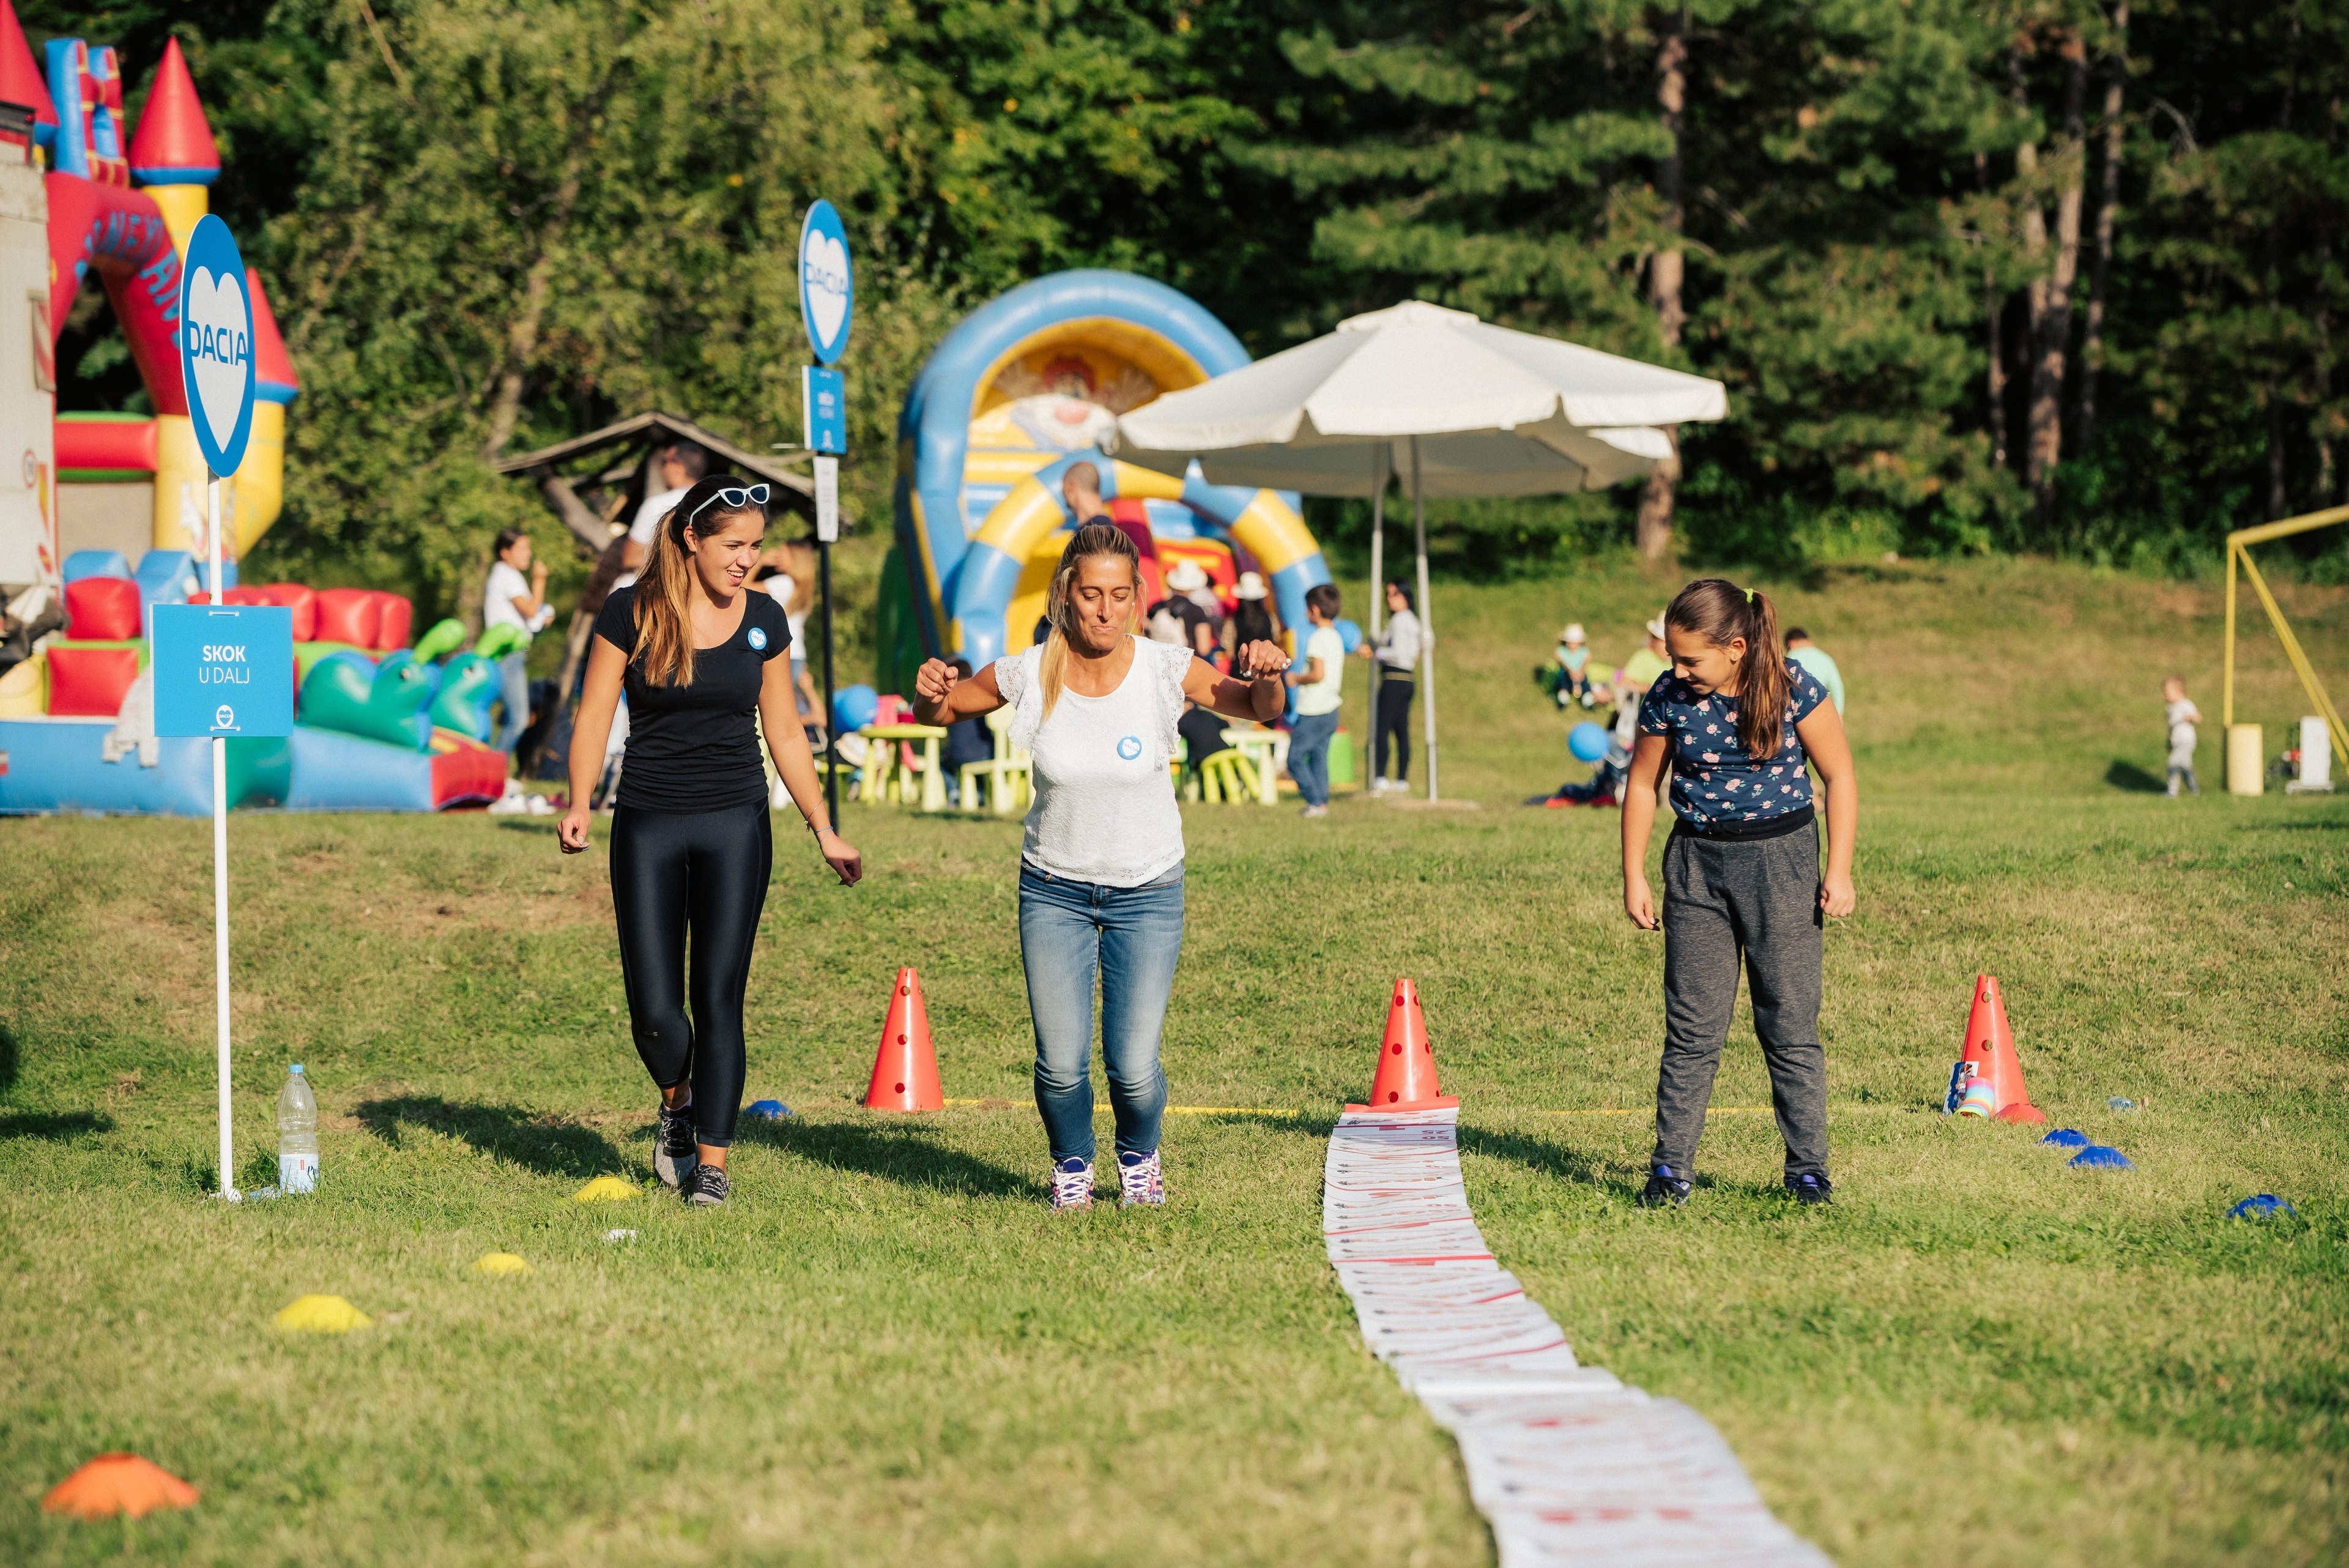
(173, 145)
(273, 368)
(22, 79)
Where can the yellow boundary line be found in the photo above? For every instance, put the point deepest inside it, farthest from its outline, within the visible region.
(1170, 1110)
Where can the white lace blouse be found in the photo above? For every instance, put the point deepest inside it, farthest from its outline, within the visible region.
(1103, 808)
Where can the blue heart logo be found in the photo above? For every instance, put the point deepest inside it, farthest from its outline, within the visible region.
(758, 637)
(1130, 747)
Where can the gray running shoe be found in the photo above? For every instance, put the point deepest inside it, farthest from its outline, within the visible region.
(707, 1188)
(674, 1155)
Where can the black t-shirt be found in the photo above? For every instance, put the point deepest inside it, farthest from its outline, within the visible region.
(696, 748)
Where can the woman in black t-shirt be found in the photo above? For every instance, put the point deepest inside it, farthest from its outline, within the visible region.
(700, 655)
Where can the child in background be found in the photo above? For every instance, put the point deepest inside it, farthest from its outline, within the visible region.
(1606, 776)
(967, 741)
(1572, 678)
(2181, 716)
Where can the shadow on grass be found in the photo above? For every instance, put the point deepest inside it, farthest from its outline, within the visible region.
(547, 1145)
(1541, 1156)
(2127, 775)
(903, 1154)
(57, 1126)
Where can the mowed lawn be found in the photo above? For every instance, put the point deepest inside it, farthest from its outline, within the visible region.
(885, 1350)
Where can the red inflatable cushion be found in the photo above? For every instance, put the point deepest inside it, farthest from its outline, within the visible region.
(240, 597)
(103, 610)
(295, 597)
(397, 616)
(348, 614)
(89, 683)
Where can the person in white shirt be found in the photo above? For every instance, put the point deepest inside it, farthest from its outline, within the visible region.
(1397, 653)
(509, 599)
(1101, 868)
(1318, 683)
(676, 467)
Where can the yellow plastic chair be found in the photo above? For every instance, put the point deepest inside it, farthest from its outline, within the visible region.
(1228, 778)
(1008, 774)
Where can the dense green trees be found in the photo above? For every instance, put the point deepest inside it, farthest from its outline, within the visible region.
(2037, 275)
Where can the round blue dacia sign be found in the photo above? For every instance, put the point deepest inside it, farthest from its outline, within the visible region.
(827, 296)
(216, 345)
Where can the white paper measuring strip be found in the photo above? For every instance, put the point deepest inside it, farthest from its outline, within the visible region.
(1570, 1464)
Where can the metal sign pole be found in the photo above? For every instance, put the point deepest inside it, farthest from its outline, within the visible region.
(1426, 612)
(220, 874)
(1378, 597)
(831, 737)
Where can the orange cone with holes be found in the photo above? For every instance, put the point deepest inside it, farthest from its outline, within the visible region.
(905, 1072)
(1406, 1075)
(1989, 1056)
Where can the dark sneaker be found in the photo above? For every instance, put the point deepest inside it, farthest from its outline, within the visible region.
(1663, 1188)
(1809, 1188)
(706, 1188)
(674, 1157)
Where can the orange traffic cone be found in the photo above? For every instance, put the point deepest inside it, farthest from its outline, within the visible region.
(1406, 1075)
(119, 1483)
(1989, 1056)
(905, 1072)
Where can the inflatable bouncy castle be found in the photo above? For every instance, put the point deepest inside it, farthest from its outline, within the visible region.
(123, 211)
(380, 725)
(1022, 389)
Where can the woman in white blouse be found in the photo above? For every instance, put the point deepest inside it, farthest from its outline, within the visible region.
(1100, 870)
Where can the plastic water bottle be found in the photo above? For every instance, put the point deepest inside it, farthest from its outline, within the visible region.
(298, 1135)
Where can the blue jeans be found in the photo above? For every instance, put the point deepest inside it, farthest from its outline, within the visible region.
(513, 678)
(1133, 936)
(1309, 754)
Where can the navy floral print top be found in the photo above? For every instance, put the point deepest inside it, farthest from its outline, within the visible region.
(1713, 781)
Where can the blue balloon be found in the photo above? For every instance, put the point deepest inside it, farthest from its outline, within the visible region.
(853, 707)
(2260, 1206)
(2104, 1156)
(1350, 636)
(2066, 1137)
(1587, 740)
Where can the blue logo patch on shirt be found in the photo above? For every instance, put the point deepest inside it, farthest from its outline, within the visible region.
(1130, 747)
(758, 637)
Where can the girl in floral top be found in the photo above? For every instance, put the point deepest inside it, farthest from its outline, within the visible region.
(1740, 727)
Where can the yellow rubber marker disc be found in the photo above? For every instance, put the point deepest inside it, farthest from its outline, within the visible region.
(606, 1189)
(322, 1314)
(501, 1263)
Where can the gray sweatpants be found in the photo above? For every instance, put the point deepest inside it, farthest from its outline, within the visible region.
(1759, 900)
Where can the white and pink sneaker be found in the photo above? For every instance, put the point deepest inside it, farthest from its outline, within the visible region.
(1072, 1185)
(1140, 1179)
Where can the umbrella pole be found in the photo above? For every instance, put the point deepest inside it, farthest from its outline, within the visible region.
(1378, 597)
(1426, 612)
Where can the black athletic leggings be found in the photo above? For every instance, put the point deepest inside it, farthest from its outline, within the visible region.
(704, 873)
(1394, 719)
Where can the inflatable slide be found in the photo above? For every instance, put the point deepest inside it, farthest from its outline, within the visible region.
(1024, 387)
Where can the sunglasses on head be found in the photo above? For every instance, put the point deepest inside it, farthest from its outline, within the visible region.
(734, 498)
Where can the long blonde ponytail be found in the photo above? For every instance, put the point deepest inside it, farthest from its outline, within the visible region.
(1094, 540)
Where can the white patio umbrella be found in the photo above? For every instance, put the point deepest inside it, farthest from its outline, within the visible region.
(1480, 409)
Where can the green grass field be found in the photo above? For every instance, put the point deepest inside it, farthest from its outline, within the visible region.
(885, 1350)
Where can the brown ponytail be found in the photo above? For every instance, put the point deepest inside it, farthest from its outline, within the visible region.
(1093, 540)
(664, 599)
(1721, 612)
